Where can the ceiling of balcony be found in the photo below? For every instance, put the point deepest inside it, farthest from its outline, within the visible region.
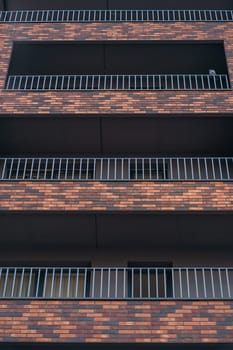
(73, 231)
(120, 135)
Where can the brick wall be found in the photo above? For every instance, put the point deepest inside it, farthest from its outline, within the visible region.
(116, 196)
(121, 321)
(115, 102)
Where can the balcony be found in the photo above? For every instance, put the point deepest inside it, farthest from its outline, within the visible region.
(115, 11)
(116, 136)
(132, 66)
(108, 283)
(116, 169)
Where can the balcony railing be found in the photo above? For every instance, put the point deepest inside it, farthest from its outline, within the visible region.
(82, 16)
(116, 169)
(116, 283)
(118, 82)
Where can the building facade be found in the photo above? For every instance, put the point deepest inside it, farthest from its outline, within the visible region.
(116, 173)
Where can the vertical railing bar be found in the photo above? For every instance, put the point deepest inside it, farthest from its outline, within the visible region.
(60, 283)
(204, 283)
(77, 283)
(196, 283)
(17, 170)
(4, 169)
(173, 283)
(212, 282)
(68, 284)
(13, 283)
(165, 282)
(101, 283)
(206, 169)
(124, 282)
(21, 283)
(157, 283)
(188, 282)
(140, 283)
(178, 168)
(80, 169)
(213, 168)
(199, 169)
(37, 284)
(109, 283)
(93, 283)
(87, 168)
(122, 168)
(227, 168)
(45, 282)
(116, 283)
(228, 283)
(29, 283)
(148, 283)
(52, 283)
(11, 168)
(180, 283)
(115, 169)
(220, 169)
(220, 282)
(132, 284)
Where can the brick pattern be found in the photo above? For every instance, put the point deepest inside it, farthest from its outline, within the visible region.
(116, 196)
(114, 102)
(116, 321)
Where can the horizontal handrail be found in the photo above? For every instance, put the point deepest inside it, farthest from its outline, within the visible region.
(134, 15)
(118, 82)
(189, 283)
(117, 169)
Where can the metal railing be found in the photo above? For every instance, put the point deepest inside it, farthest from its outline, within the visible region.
(116, 283)
(116, 169)
(118, 82)
(82, 16)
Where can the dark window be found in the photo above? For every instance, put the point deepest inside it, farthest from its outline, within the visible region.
(150, 280)
(45, 282)
(46, 169)
(148, 170)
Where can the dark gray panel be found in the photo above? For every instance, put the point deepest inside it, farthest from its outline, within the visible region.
(165, 58)
(199, 231)
(114, 346)
(49, 135)
(197, 136)
(56, 58)
(170, 4)
(55, 4)
(47, 232)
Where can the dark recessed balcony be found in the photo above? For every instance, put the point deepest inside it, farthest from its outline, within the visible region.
(114, 10)
(116, 136)
(118, 66)
(116, 169)
(122, 283)
(73, 255)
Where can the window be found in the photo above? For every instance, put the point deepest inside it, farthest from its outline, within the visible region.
(45, 282)
(142, 169)
(49, 169)
(149, 280)
(17, 283)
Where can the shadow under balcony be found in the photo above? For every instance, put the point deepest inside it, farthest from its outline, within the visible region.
(131, 66)
(116, 256)
(115, 10)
